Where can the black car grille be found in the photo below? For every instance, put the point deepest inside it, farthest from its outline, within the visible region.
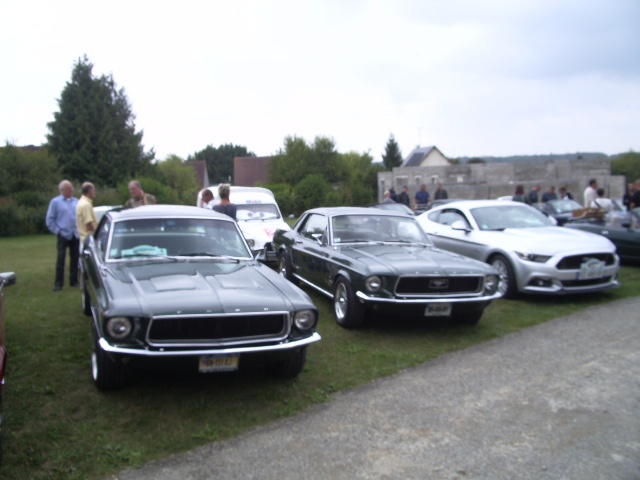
(574, 262)
(436, 286)
(586, 283)
(217, 329)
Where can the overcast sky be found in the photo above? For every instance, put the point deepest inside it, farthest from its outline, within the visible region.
(474, 78)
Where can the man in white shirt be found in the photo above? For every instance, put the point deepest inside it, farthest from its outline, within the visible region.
(590, 193)
(602, 202)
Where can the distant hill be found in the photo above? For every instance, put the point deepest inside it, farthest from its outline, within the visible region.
(541, 158)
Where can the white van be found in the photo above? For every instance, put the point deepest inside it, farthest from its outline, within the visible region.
(258, 217)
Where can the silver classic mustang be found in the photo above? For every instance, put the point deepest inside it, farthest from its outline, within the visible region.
(366, 258)
(524, 245)
(180, 283)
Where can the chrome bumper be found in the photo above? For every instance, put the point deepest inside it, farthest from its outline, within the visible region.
(416, 301)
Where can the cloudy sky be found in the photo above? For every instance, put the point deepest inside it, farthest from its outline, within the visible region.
(474, 78)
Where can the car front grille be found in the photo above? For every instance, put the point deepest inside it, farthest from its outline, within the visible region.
(575, 261)
(586, 283)
(218, 329)
(439, 285)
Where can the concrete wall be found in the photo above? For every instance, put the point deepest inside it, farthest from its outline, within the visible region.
(493, 180)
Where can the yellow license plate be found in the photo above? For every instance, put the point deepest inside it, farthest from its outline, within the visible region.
(218, 363)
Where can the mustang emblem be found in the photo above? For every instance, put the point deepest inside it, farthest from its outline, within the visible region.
(439, 283)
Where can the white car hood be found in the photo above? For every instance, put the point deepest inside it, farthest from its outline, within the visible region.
(261, 231)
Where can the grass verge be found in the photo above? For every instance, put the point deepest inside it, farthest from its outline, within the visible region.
(57, 425)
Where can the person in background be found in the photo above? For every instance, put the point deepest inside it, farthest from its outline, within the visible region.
(550, 194)
(393, 194)
(403, 198)
(518, 196)
(635, 198)
(86, 219)
(532, 196)
(628, 194)
(440, 193)
(387, 197)
(61, 221)
(601, 201)
(590, 193)
(138, 197)
(422, 196)
(225, 206)
(565, 194)
(206, 198)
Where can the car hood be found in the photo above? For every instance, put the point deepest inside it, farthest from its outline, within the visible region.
(195, 288)
(403, 260)
(547, 240)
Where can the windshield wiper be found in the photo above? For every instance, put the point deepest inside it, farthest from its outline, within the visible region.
(210, 255)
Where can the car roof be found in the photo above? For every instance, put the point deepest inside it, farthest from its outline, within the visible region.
(159, 211)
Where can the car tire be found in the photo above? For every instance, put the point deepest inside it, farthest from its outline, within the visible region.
(107, 374)
(285, 267)
(348, 311)
(508, 283)
(469, 318)
(86, 300)
(291, 367)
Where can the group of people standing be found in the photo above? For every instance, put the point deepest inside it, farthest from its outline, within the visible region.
(421, 197)
(71, 220)
(225, 206)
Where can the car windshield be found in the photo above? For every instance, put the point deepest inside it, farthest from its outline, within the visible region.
(377, 228)
(257, 211)
(499, 217)
(564, 206)
(189, 237)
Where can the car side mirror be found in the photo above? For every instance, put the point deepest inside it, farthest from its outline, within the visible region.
(460, 225)
(318, 237)
(8, 278)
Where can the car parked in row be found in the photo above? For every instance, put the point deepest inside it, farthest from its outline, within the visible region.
(367, 259)
(258, 216)
(530, 252)
(561, 210)
(621, 227)
(6, 279)
(181, 283)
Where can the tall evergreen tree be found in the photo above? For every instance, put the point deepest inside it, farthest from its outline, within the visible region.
(392, 156)
(93, 134)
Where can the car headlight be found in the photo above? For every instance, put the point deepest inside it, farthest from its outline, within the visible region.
(119, 328)
(491, 283)
(373, 283)
(304, 319)
(532, 257)
(251, 242)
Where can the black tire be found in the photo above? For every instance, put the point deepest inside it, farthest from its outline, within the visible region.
(348, 311)
(107, 373)
(285, 267)
(86, 300)
(469, 318)
(508, 284)
(291, 367)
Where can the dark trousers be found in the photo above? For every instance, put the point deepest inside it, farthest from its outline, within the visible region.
(74, 249)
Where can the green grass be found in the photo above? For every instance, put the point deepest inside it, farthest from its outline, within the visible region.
(57, 425)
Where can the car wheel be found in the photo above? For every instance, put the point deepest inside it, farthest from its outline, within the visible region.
(291, 367)
(86, 300)
(469, 318)
(285, 268)
(508, 286)
(107, 374)
(348, 311)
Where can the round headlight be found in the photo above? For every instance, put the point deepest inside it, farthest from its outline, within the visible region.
(119, 328)
(491, 283)
(304, 319)
(373, 283)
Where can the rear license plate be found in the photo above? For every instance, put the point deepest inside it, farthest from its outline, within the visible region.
(438, 310)
(218, 363)
(591, 269)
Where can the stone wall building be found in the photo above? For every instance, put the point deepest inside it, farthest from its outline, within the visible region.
(497, 179)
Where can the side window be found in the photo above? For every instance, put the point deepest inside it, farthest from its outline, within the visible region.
(449, 217)
(314, 224)
(102, 236)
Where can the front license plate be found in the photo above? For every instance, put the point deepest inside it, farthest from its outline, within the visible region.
(438, 310)
(218, 363)
(591, 269)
